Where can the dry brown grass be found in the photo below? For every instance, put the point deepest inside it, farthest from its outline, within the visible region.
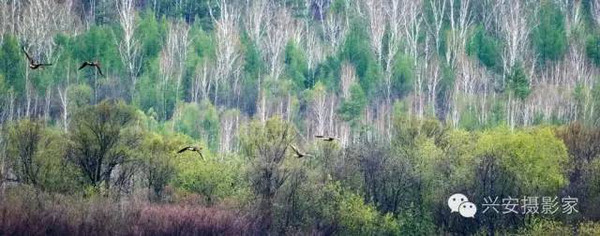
(25, 212)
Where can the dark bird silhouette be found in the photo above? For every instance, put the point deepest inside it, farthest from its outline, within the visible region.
(92, 63)
(299, 154)
(32, 64)
(193, 149)
(325, 138)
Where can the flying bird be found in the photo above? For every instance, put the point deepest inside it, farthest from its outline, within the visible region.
(325, 138)
(94, 64)
(32, 64)
(193, 149)
(299, 154)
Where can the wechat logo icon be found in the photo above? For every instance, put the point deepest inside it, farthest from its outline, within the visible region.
(458, 202)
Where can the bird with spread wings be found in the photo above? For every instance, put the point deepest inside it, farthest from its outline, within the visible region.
(93, 64)
(32, 63)
(298, 153)
(326, 138)
(193, 149)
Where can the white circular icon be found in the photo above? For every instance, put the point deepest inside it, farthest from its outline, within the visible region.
(455, 200)
(467, 209)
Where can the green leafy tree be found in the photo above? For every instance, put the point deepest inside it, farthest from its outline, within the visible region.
(199, 121)
(522, 163)
(518, 83)
(592, 48)
(549, 37)
(403, 75)
(157, 154)
(485, 47)
(102, 138)
(214, 181)
(266, 146)
(352, 108)
(356, 50)
(36, 157)
(296, 66)
(23, 141)
(151, 33)
(12, 64)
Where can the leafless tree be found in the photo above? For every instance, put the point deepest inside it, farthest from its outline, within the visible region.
(438, 11)
(434, 77)
(64, 105)
(315, 50)
(335, 28)
(318, 108)
(513, 22)
(412, 20)
(56, 17)
(595, 10)
(230, 124)
(376, 18)
(228, 50)
(255, 18)
(281, 27)
(129, 47)
(173, 56)
(348, 78)
(201, 83)
(571, 10)
(459, 25)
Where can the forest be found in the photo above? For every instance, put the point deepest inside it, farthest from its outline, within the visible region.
(299, 117)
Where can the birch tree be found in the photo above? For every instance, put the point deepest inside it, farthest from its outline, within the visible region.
(335, 27)
(595, 11)
(228, 51)
(129, 47)
(376, 18)
(172, 59)
(571, 10)
(460, 24)
(512, 19)
(438, 11)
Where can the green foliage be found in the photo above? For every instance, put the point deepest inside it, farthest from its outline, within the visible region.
(328, 73)
(79, 96)
(349, 214)
(97, 44)
(296, 66)
(211, 179)
(190, 10)
(12, 65)
(199, 121)
(157, 153)
(518, 83)
(356, 50)
(549, 37)
(23, 140)
(485, 47)
(151, 36)
(589, 228)
(101, 137)
(596, 98)
(546, 227)
(353, 107)
(253, 67)
(265, 145)
(403, 74)
(36, 157)
(3, 88)
(358, 218)
(592, 48)
(535, 158)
